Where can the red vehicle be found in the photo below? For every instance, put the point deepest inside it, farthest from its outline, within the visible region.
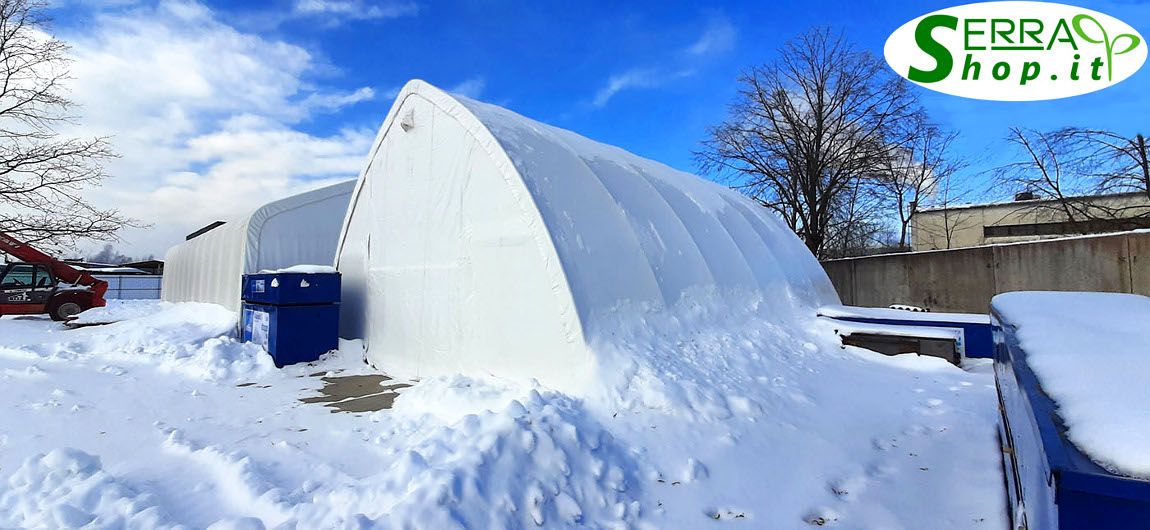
(40, 283)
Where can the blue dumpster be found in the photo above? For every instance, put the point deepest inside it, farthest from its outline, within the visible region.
(1051, 483)
(293, 315)
(974, 329)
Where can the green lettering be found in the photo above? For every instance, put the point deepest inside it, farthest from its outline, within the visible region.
(1030, 71)
(1033, 33)
(971, 64)
(1001, 70)
(967, 31)
(925, 41)
(1004, 33)
(1062, 26)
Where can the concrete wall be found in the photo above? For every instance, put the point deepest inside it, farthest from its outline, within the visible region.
(965, 280)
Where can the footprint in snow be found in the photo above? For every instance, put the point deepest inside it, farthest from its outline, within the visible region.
(113, 370)
(932, 409)
(848, 489)
(880, 470)
(821, 516)
(884, 444)
(721, 514)
(916, 430)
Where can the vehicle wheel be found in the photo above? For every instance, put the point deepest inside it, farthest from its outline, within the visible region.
(65, 311)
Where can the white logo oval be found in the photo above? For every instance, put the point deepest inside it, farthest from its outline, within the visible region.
(1015, 51)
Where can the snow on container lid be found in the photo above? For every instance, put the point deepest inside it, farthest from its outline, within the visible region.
(302, 269)
(882, 313)
(1091, 355)
(291, 288)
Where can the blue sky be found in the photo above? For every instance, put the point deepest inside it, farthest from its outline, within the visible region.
(318, 76)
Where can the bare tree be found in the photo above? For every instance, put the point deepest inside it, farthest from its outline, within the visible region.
(805, 127)
(1049, 168)
(857, 225)
(43, 176)
(1072, 166)
(951, 191)
(1114, 164)
(910, 174)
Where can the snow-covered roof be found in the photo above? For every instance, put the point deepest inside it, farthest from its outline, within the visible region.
(674, 230)
(110, 269)
(478, 239)
(300, 229)
(1090, 354)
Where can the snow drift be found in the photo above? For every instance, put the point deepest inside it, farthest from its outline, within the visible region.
(726, 414)
(480, 241)
(300, 229)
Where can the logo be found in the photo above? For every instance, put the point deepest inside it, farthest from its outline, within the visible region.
(1015, 51)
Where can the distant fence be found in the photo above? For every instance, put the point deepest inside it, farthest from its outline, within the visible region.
(132, 286)
(964, 280)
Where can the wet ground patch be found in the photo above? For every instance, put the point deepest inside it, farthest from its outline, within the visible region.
(357, 393)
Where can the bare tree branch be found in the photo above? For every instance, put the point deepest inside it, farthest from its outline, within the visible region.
(43, 177)
(908, 178)
(1073, 166)
(805, 128)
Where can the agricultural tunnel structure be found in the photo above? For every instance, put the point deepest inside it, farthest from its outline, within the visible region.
(478, 240)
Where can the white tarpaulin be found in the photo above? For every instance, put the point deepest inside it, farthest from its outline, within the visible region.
(301, 229)
(479, 240)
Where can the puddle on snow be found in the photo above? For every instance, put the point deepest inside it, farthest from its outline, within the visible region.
(356, 393)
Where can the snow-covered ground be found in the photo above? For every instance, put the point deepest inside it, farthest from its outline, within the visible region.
(142, 423)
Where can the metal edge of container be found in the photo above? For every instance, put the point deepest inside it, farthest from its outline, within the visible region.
(1072, 469)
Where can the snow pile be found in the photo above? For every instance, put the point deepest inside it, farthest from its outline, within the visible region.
(707, 411)
(193, 339)
(1089, 351)
(240, 478)
(707, 358)
(68, 488)
(117, 310)
(541, 460)
(747, 411)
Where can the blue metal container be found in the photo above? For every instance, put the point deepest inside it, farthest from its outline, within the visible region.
(291, 288)
(294, 316)
(1051, 484)
(976, 337)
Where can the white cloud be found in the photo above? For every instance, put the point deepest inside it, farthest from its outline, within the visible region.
(391, 93)
(636, 78)
(335, 101)
(356, 9)
(718, 36)
(205, 118)
(249, 161)
(471, 88)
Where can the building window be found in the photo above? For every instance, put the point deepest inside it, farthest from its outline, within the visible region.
(1094, 226)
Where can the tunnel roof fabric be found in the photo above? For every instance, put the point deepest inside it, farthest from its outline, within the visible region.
(300, 229)
(478, 239)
